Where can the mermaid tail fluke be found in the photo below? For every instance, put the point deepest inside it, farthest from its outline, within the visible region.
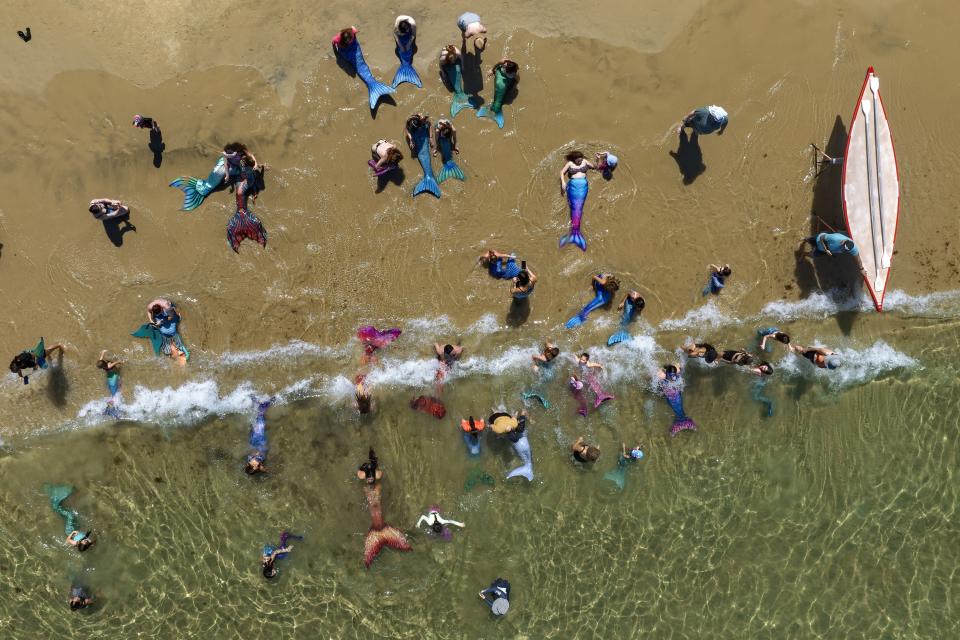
(600, 299)
(428, 183)
(682, 424)
(522, 449)
(406, 72)
(674, 398)
(460, 99)
(618, 476)
(488, 112)
(620, 336)
(195, 189)
(243, 225)
(376, 338)
(375, 540)
(538, 396)
(353, 55)
(57, 494)
(385, 169)
(450, 170)
(600, 396)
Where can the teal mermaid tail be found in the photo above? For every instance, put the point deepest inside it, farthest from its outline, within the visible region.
(617, 476)
(353, 55)
(601, 298)
(406, 72)
(450, 168)
(460, 99)
(501, 84)
(57, 494)
(196, 190)
(421, 142)
(577, 190)
(538, 396)
(522, 449)
(758, 395)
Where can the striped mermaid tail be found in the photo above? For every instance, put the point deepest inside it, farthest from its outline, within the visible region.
(196, 190)
(243, 225)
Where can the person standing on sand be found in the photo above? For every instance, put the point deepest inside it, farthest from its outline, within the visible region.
(471, 27)
(706, 120)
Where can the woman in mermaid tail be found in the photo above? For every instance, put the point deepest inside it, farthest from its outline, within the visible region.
(605, 285)
(244, 224)
(588, 372)
(374, 339)
(670, 384)
(573, 183)
(624, 462)
(228, 169)
(380, 533)
(256, 461)
(502, 266)
(451, 73)
(505, 75)
(272, 553)
(75, 538)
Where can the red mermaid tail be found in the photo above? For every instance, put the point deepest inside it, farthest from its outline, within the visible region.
(380, 533)
(376, 538)
(242, 225)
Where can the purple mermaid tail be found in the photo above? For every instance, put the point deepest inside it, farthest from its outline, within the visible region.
(576, 388)
(577, 189)
(370, 335)
(671, 391)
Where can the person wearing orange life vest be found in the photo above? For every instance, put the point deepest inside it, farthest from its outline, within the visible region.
(472, 429)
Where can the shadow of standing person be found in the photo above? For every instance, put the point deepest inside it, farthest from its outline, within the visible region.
(472, 75)
(58, 385)
(157, 146)
(689, 157)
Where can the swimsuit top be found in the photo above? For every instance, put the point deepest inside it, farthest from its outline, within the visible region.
(578, 455)
(580, 168)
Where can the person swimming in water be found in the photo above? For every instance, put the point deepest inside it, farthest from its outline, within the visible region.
(268, 561)
(437, 523)
(448, 355)
(741, 358)
(772, 333)
(380, 533)
(701, 350)
(502, 266)
(362, 396)
(80, 598)
(583, 452)
(546, 357)
(257, 461)
(821, 357)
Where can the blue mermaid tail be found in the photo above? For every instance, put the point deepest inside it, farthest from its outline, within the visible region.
(353, 55)
(421, 142)
(450, 168)
(601, 298)
(671, 391)
(195, 189)
(258, 429)
(473, 443)
(522, 448)
(460, 99)
(284, 538)
(577, 189)
(406, 72)
(629, 313)
(501, 84)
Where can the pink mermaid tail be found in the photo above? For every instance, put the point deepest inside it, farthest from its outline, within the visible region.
(576, 388)
(599, 395)
(380, 533)
(373, 337)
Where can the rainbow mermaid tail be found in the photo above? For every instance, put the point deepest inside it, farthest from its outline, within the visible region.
(599, 395)
(501, 84)
(196, 190)
(406, 72)
(522, 449)
(460, 99)
(353, 55)
(449, 168)
(421, 142)
(380, 533)
(674, 397)
(577, 189)
(57, 494)
(629, 313)
(601, 298)
(371, 336)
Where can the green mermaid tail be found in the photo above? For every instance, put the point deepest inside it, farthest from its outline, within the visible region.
(501, 84)
(59, 493)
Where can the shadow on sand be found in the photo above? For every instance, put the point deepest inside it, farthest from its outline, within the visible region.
(689, 157)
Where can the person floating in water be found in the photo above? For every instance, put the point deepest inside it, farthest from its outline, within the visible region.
(257, 460)
(80, 540)
(437, 523)
(545, 358)
(33, 359)
(497, 596)
(772, 333)
(706, 120)
(448, 355)
(380, 533)
(830, 244)
(583, 452)
(670, 384)
(271, 554)
(502, 266)
(80, 598)
(821, 357)
(718, 278)
(741, 358)
(701, 350)
(625, 460)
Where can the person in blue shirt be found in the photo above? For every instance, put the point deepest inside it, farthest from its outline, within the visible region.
(831, 244)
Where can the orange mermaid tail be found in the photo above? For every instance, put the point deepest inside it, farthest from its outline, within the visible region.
(380, 533)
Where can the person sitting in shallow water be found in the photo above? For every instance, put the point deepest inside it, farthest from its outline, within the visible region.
(413, 124)
(385, 154)
(821, 357)
(499, 265)
(583, 452)
(80, 598)
(405, 33)
(718, 278)
(108, 209)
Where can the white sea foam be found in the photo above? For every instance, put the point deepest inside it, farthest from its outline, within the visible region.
(859, 367)
(293, 349)
(823, 305)
(709, 315)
